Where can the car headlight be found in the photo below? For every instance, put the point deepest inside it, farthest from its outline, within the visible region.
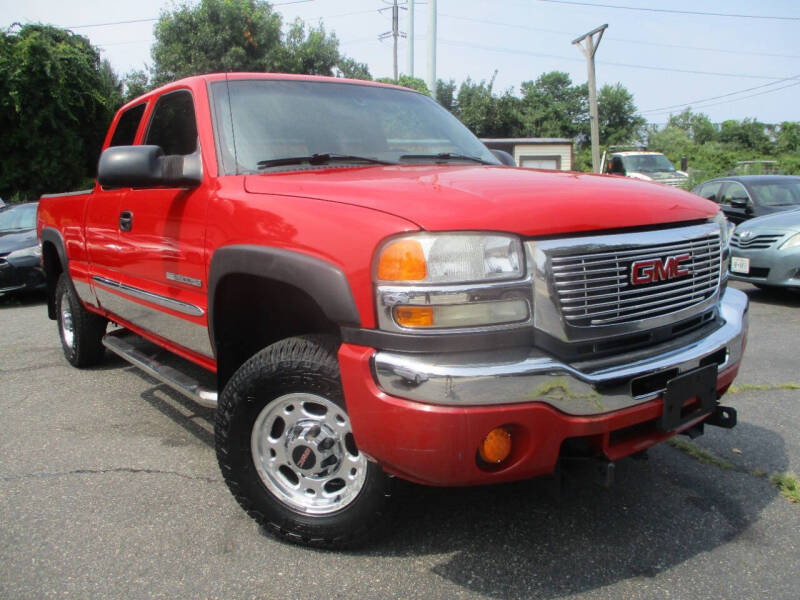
(451, 281)
(792, 242)
(35, 251)
(725, 229)
(450, 258)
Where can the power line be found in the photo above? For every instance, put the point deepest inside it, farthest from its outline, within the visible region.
(743, 97)
(605, 62)
(693, 102)
(616, 39)
(672, 11)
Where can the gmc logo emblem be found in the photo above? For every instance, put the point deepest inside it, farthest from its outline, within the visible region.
(655, 270)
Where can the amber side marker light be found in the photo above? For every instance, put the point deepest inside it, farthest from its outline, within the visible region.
(402, 260)
(496, 446)
(414, 316)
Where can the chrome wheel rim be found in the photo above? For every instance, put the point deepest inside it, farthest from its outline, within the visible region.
(67, 326)
(303, 449)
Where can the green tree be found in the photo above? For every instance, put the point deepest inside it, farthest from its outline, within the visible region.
(619, 123)
(414, 83)
(242, 35)
(352, 69)
(446, 95)
(135, 83)
(789, 137)
(552, 106)
(488, 115)
(747, 134)
(56, 100)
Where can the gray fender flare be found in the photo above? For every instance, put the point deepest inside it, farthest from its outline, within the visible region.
(53, 236)
(325, 283)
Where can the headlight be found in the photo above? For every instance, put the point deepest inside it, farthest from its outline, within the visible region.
(725, 228)
(35, 251)
(792, 242)
(450, 258)
(431, 281)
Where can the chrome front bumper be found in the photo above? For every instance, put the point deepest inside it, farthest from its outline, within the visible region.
(529, 375)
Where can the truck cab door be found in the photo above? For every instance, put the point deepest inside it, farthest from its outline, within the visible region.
(161, 283)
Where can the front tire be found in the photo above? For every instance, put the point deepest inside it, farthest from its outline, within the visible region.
(81, 331)
(286, 448)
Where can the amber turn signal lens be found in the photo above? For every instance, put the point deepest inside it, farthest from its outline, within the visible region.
(402, 260)
(414, 316)
(496, 446)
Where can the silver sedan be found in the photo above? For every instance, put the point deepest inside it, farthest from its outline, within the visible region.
(765, 251)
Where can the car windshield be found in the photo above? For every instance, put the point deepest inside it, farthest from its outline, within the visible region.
(279, 124)
(776, 193)
(14, 218)
(647, 163)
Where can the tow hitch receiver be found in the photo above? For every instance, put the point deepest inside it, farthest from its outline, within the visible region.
(723, 416)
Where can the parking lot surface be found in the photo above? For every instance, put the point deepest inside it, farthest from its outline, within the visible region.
(109, 487)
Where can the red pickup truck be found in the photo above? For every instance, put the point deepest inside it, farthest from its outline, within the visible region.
(378, 295)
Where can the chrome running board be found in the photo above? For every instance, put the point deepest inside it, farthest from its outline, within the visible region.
(178, 381)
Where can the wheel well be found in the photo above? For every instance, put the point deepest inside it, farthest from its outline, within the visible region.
(52, 271)
(251, 312)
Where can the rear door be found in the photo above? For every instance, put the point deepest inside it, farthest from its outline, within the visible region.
(162, 282)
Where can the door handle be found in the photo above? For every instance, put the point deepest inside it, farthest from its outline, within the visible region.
(125, 220)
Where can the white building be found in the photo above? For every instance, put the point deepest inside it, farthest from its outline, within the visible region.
(536, 153)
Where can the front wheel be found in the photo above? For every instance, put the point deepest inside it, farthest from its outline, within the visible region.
(287, 452)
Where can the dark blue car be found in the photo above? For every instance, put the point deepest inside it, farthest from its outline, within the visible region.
(20, 253)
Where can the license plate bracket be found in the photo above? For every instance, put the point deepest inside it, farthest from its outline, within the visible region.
(700, 383)
(740, 265)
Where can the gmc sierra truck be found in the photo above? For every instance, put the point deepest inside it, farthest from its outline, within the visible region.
(376, 295)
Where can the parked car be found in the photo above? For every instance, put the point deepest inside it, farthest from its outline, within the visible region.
(20, 253)
(647, 166)
(766, 251)
(748, 196)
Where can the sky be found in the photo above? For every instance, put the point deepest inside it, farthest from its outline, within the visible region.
(728, 67)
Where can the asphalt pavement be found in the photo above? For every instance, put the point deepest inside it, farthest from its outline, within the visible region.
(109, 488)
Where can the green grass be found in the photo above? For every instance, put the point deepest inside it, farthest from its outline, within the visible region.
(788, 485)
(704, 456)
(763, 387)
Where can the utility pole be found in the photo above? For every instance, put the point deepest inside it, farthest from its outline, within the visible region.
(432, 47)
(410, 50)
(394, 33)
(589, 50)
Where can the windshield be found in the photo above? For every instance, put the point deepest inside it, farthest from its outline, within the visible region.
(18, 217)
(260, 122)
(647, 163)
(777, 193)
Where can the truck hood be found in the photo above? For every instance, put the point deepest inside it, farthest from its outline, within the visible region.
(523, 201)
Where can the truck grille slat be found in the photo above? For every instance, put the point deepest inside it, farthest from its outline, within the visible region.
(561, 262)
(596, 288)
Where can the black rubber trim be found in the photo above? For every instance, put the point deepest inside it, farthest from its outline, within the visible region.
(322, 281)
(454, 342)
(53, 236)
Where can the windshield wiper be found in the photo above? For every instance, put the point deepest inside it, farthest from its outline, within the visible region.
(442, 156)
(323, 158)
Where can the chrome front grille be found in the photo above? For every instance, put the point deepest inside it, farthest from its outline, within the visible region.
(596, 288)
(754, 243)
